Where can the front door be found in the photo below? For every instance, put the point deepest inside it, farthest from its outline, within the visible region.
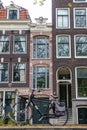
(65, 94)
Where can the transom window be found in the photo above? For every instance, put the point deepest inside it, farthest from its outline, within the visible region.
(80, 18)
(41, 47)
(13, 14)
(82, 82)
(81, 46)
(63, 46)
(4, 44)
(20, 44)
(40, 77)
(62, 18)
(19, 72)
(4, 72)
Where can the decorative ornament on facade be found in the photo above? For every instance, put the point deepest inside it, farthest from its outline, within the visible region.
(69, 4)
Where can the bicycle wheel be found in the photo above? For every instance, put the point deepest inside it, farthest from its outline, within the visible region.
(16, 114)
(2, 111)
(20, 115)
(58, 120)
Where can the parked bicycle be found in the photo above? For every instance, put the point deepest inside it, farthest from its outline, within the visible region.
(54, 112)
(24, 114)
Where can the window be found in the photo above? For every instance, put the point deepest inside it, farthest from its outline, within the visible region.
(40, 77)
(19, 72)
(41, 47)
(81, 46)
(80, 18)
(63, 46)
(12, 14)
(4, 44)
(63, 18)
(80, 1)
(82, 82)
(20, 44)
(3, 72)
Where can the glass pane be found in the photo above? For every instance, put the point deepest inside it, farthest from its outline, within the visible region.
(20, 44)
(41, 47)
(80, 18)
(60, 22)
(19, 72)
(81, 46)
(82, 87)
(82, 72)
(4, 72)
(12, 14)
(82, 82)
(63, 46)
(63, 12)
(4, 44)
(40, 77)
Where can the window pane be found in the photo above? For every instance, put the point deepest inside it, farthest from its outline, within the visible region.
(19, 74)
(4, 44)
(41, 47)
(63, 46)
(81, 46)
(4, 72)
(12, 14)
(82, 82)
(80, 18)
(41, 77)
(20, 44)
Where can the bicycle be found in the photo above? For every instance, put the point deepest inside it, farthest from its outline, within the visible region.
(55, 110)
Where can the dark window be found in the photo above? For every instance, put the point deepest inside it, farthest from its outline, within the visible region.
(12, 14)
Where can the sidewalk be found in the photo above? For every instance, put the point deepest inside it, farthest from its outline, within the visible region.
(39, 127)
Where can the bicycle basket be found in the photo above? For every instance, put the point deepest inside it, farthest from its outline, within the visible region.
(59, 109)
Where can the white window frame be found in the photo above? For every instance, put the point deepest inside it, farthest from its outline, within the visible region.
(12, 72)
(85, 98)
(13, 9)
(82, 1)
(75, 46)
(74, 17)
(69, 47)
(68, 18)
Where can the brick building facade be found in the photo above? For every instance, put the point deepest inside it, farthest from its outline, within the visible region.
(14, 51)
(25, 56)
(69, 56)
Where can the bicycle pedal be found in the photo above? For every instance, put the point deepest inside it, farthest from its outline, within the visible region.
(40, 118)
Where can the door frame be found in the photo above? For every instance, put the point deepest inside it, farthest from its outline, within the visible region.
(67, 93)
